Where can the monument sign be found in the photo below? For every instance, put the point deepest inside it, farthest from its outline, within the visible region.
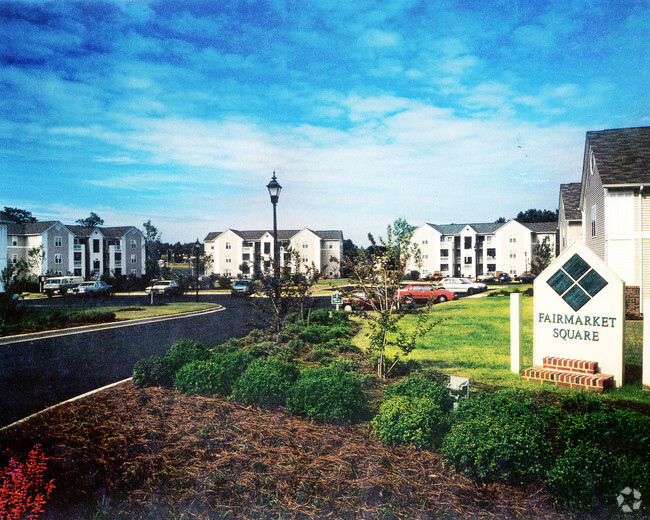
(579, 313)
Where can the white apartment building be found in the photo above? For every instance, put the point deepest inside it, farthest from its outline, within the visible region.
(236, 253)
(569, 217)
(472, 250)
(78, 250)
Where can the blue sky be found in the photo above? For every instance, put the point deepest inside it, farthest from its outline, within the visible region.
(434, 111)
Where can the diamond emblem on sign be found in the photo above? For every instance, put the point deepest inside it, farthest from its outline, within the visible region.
(576, 282)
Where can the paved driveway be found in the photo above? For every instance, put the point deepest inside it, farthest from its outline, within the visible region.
(36, 373)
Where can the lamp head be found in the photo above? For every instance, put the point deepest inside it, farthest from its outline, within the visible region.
(274, 189)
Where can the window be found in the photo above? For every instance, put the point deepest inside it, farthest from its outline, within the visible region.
(14, 241)
(134, 259)
(246, 257)
(442, 238)
(58, 241)
(212, 248)
(247, 244)
(228, 245)
(425, 257)
(444, 267)
(58, 258)
(425, 242)
(96, 245)
(444, 253)
(228, 260)
(513, 239)
(118, 257)
(468, 242)
(450, 239)
(14, 259)
(592, 163)
(488, 238)
(305, 245)
(134, 244)
(593, 221)
(267, 248)
(305, 259)
(513, 254)
(468, 259)
(492, 252)
(331, 246)
(134, 272)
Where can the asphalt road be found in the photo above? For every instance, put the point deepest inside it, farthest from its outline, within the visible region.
(37, 373)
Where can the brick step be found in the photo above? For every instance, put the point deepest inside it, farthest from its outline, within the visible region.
(594, 382)
(579, 366)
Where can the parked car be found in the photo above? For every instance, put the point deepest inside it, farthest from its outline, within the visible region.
(356, 301)
(242, 288)
(60, 284)
(462, 285)
(526, 278)
(422, 293)
(97, 288)
(165, 287)
(504, 277)
(486, 278)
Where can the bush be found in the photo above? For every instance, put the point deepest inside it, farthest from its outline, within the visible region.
(418, 386)
(316, 334)
(224, 282)
(332, 395)
(232, 365)
(266, 383)
(152, 371)
(185, 351)
(321, 355)
(199, 378)
(601, 452)
(91, 317)
(411, 421)
(498, 437)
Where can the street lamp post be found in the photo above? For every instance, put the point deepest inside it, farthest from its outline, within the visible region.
(196, 256)
(274, 191)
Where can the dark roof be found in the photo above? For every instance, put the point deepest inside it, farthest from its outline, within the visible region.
(622, 155)
(30, 228)
(455, 229)
(283, 234)
(570, 195)
(541, 227)
(116, 231)
(81, 231)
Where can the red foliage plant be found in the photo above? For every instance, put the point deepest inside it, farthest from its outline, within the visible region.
(23, 493)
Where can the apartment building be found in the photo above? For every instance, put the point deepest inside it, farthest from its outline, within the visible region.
(236, 253)
(615, 203)
(472, 250)
(78, 250)
(569, 217)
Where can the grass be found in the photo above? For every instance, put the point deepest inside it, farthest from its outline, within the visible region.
(150, 311)
(472, 339)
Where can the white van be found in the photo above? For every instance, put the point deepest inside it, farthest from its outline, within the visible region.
(60, 284)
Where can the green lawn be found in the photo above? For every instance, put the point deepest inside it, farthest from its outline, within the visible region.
(472, 339)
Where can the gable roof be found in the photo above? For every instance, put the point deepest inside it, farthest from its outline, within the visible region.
(541, 227)
(283, 234)
(622, 155)
(31, 228)
(455, 229)
(570, 196)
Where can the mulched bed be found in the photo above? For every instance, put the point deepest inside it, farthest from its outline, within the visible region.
(155, 454)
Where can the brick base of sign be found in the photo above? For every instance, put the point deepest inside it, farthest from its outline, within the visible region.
(632, 302)
(575, 373)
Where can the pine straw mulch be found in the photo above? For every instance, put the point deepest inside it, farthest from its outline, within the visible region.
(154, 453)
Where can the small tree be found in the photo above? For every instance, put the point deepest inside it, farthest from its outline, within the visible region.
(288, 293)
(542, 256)
(153, 243)
(19, 216)
(14, 278)
(377, 272)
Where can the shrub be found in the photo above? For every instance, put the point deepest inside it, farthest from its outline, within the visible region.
(332, 395)
(320, 317)
(418, 386)
(265, 383)
(601, 452)
(412, 421)
(23, 491)
(91, 317)
(224, 282)
(232, 365)
(199, 377)
(321, 355)
(152, 371)
(498, 437)
(185, 351)
(316, 334)
(342, 345)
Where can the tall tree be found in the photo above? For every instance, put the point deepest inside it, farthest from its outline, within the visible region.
(500, 220)
(92, 220)
(537, 215)
(153, 245)
(19, 216)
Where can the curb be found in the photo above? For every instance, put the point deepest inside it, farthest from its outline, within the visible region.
(71, 400)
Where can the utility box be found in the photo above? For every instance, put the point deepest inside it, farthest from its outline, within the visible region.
(458, 389)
